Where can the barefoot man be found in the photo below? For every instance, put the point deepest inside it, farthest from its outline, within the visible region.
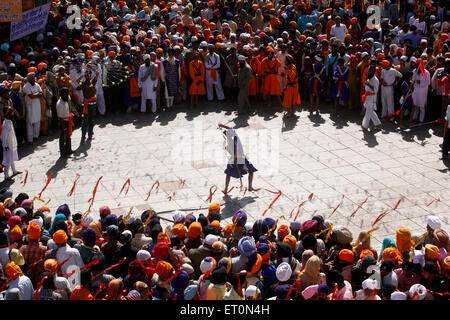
(238, 165)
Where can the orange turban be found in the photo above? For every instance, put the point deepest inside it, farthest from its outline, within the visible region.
(126, 38)
(366, 252)
(16, 233)
(179, 230)
(211, 4)
(392, 254)
(216, 224)
(50, 265)
(212, 26)
(162, 236)
(32, 69)
(348, 37)
(163, 269)
(428, 5)
(283, 231)
(346, 255)
(162, 28)
(89, 53)
(60, 236)
(215, 206)
(403, 240)
(147, 41)
(380, 56)
(41, 66)
(447, 262)
(354, 20)
(291, 241)
(13, 270)
(385, 63)
(293, 24)
(111, 54)
(269, 48)
(218, 45)
(34, 231)
(257, 265)
(159, 50)
(195, 229)
(302, 37)
(432, 252)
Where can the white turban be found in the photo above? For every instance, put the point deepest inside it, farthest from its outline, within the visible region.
(143, 255)
(178, 216)
(370, 284)
(87, 221)
(251, 291)
(146, 56)
(417, 292)
(283, 272)
(434, 222)
(397, 295)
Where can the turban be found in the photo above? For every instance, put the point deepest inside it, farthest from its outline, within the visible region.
(163, 269)
(397, 295)
(284, 272)
(13, 270)
(216, 224)
(393, 254)
(181, 281)
(370, 284)
(284, 249)
(225, 262)
(63, 209)
(34, 231)
(447, 262)
(217, 247)
(50, 265)
(269, 275)
(343, 236)
(179, 230)
(434, 222)
(295, 225)
(432, 252)
(440, 238)
(354, 20)
(380, 56)
(41, 66)
(207, 265)
(89, 236)
(161, 249)
(346, 255)
(60, 236)
(194, 231)
(16, 233)
(16, 84)
(143, 255)
(241, 217)
(417, 292)
(283, 231)
(366, 252)
(32, 69)
(264, 250)
(178, 216)
(291, 241)
(247, 246)
(308, 226)
(254, 263)
(111, 54)
(14, 221)
(211, 4)
(215, 206)
(403, 240)
(162, 236)
(348, 37)
(31, 75)
(104, 211)
(310, 291)
(190, 292)
(385, 63)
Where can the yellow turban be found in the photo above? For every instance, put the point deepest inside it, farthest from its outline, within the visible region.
(403, 240)
(432, 252)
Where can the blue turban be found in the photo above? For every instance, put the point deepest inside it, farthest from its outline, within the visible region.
(89, 236)
(247, 246)
(64, 209)
(242, 218)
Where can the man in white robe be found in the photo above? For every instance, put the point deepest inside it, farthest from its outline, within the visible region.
(389, 79)
(9, 143)
(212, 65)
(147, 82)
(33, 93)
(99, 86)
(421, 82)
(370, 103)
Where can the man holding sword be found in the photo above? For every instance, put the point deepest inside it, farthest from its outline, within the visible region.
(238, 165)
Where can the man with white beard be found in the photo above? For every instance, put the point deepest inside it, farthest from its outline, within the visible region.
(148, 82)
(212, 65)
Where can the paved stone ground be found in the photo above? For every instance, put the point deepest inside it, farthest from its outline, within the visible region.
(325, 155)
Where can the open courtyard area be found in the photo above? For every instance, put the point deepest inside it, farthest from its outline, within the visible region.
(329, 156)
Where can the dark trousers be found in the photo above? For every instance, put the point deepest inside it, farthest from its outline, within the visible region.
(87, 124)
(446, 144)
(65, 143)
(20, 127)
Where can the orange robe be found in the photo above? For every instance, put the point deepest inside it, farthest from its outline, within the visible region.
(253, 89)
(291, 94)
(197, 73)
(271, 85)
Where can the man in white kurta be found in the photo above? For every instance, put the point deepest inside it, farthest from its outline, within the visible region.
(281, 55)
(33, 93)
(389, 79)
(98, 86)
(212, 65)
(9, 143)
(420, 91)
(75, 73)
(370, 103)
(147, 82)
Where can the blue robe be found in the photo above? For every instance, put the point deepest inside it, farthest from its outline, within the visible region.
(317, 70)
(407, 103)
(172, 77)
(341, 73)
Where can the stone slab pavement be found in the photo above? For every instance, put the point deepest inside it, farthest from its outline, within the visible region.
(327, 155)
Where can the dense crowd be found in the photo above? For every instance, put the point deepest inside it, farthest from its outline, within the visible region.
(118, 55)
(61, 256)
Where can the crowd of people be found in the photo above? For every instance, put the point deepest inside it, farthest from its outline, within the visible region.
(65, 256)
(118, 55)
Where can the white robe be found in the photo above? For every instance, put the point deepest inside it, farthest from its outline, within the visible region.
(9, 141)
(33, 106)
(147, 91)
(74, 76)
(420, 92)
